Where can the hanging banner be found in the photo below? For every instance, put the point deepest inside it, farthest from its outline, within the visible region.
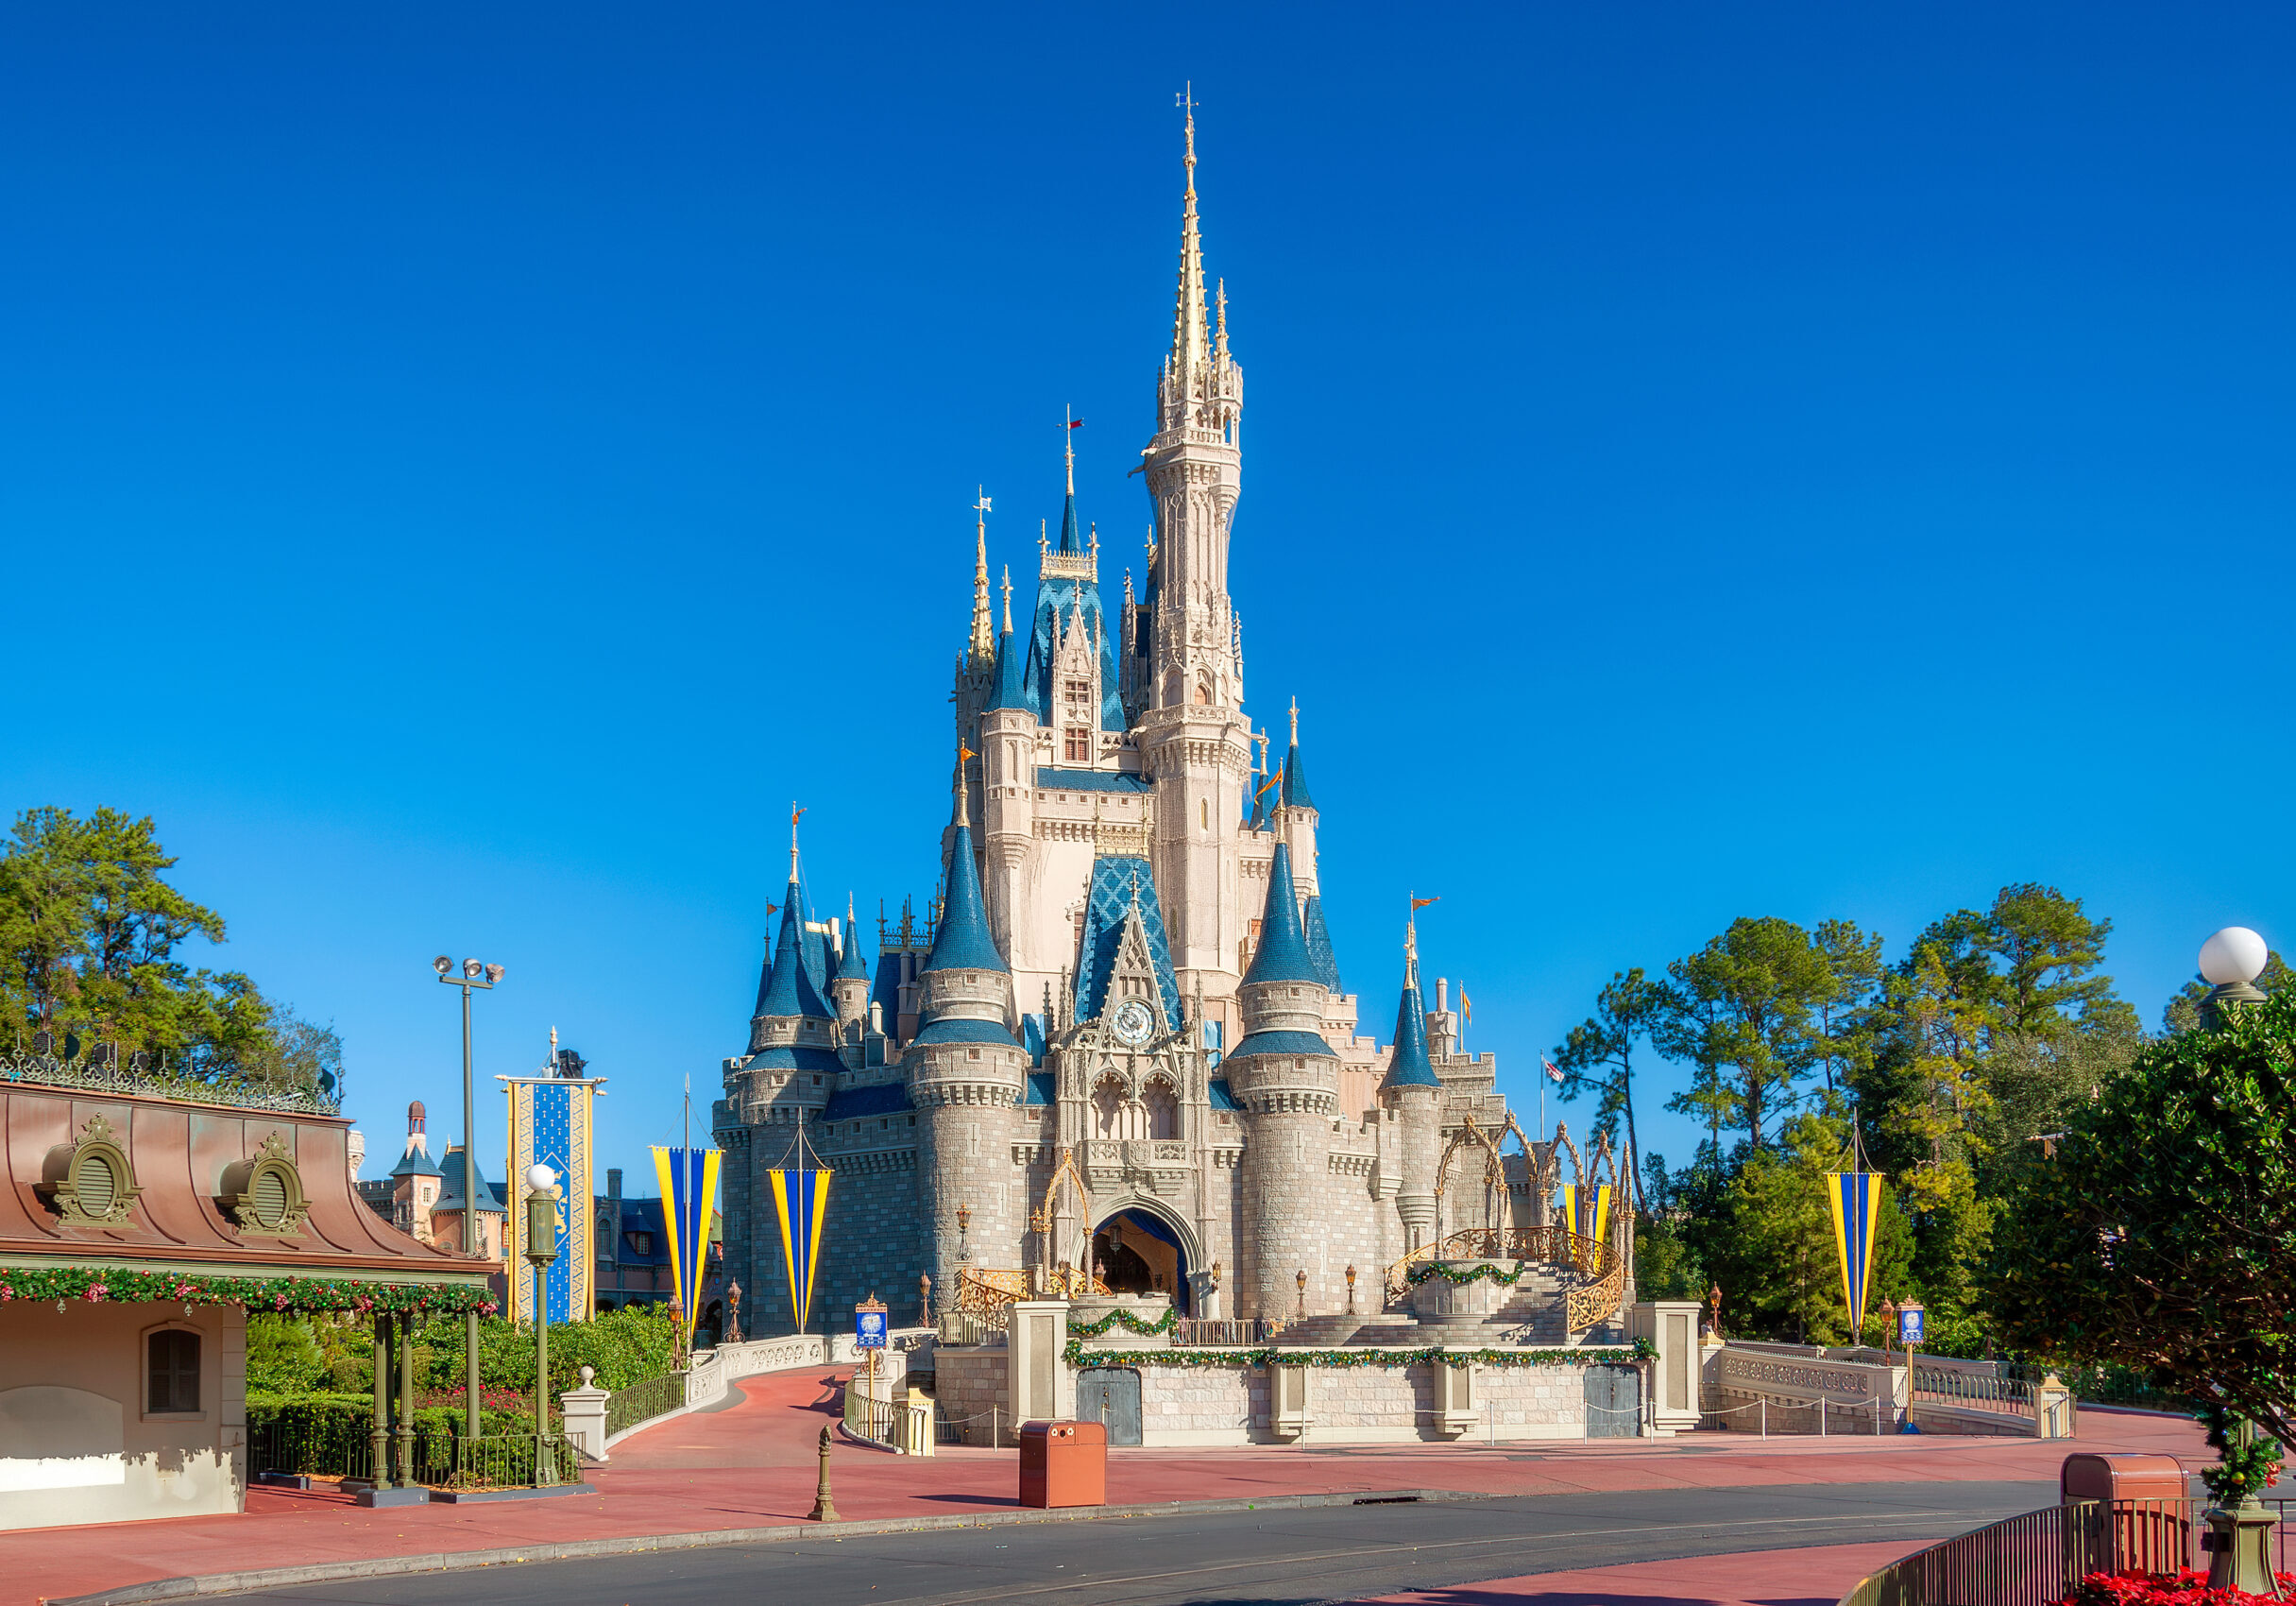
(1586, 1216)
(550, 1124)
(801, 1200)
(690, 1197)
(1855, 1198)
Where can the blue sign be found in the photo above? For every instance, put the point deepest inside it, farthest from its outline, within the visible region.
(869, 1329)
(1909, 1323)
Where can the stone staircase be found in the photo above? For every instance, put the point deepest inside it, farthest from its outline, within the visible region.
(1533, 1315)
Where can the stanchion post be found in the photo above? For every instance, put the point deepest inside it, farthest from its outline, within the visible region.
(824, 1509)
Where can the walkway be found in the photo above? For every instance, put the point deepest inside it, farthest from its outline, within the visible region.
(753, 1465)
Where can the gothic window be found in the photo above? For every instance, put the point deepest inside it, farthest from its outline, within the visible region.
(1162, 1105)
(172, 1371)
(1078, 747)
(1114, 1113)
(1204, 691)
(1203, 811)
(1077, 694)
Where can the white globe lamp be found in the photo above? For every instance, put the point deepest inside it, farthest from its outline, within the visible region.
(2234, 955)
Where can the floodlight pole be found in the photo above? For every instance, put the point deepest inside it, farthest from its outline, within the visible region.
(471, 976)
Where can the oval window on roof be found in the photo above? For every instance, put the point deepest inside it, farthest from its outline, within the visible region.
(270, 1197)
(98, 1183)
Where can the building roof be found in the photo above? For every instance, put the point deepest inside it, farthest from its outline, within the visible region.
(793, 1058)
(1044, 1088)
(1294, 1043)
(1108, 902)
(180, 1154)
(1295, 779)
(1012, 689)
(852, 966)
(850, 1103)
(491, 1197)
(416, 1162)
(963, 941)
(1409, 1066)
(1282, 954)
(1320, 951)
(1221, 1096)
(950, 1028)
(788, 988)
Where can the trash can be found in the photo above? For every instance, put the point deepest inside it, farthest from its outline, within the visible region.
(2151, 1515)
(1064, 1464)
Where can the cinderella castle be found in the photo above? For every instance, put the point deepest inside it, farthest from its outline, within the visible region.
(1122, 1040)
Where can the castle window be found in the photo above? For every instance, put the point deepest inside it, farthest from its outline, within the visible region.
(1079, 744)
(1203, 692)
(972, 1053)
(1204, 810)
(1078, 694)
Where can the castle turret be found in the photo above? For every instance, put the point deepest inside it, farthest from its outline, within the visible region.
(1298, 820)
(966, 1072)
(849, 988)
(792, 1066)
(1287, 1079)
(1007, 782)
(1412, 1090)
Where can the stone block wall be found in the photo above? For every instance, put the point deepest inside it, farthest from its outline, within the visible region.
(1202, 1405)
(967, 1384)
(1531, 1402)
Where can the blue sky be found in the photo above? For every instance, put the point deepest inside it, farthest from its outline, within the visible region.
(464, 469)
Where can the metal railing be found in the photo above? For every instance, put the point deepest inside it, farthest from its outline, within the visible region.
(1229, 1332)
(328, 1449)
(891, 1423)
(1987, 1390)
(439, 1459)
(102, 1072)
(643, 1402)
(513, 1460)
(1596, 1301)
(2042, 1556)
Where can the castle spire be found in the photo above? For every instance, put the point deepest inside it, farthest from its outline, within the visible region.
(794, 811)
(1295, 794)
(1188, 315)
(961, 941)
(1069, 508)
(982, 642)
(1007, 599)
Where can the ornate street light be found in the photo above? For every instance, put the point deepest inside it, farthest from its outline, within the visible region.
(481, 977)
(541, 1249)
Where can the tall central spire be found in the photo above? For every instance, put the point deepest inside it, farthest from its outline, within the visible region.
(1188, 341)
(982, 642)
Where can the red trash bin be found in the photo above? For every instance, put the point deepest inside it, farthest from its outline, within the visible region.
(1064, 1464)
(2151, 1516)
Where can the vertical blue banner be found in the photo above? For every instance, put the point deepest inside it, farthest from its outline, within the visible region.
(801, 1200)
(550, 1125)
(689, 1194)
(1855, 1200)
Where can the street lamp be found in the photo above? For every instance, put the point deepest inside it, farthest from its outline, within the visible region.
(483, 977)
(2231, 960)
(541, 1249)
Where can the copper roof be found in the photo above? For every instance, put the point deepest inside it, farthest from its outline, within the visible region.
(179, 1153)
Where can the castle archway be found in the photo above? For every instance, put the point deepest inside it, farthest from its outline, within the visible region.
(1142, 1248)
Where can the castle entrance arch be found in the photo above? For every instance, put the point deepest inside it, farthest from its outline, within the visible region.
(1139, 1248)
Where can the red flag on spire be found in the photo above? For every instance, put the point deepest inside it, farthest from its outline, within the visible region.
(1076, 423)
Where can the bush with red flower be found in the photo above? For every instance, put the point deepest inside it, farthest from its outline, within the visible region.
(2182, 1588)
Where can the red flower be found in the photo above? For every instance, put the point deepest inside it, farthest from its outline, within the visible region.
(96, 1292)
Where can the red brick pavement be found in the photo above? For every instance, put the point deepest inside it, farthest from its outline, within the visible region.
(755, 1464)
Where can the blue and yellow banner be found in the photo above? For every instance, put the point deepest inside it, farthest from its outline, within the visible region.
(690, 1198)
(1587, 1210)
(550, 1124)
(800, 1199)
(1855, 1198)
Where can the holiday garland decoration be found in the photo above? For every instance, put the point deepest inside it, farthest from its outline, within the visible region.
(1119, 1317)
(1485, 1273)
(97, 1285)
(1590, 1355)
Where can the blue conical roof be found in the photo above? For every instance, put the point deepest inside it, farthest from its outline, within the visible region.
(851, 967)
(416, 1162)
(788, 989)
(1012, 676)
(1295, 780)
(1282, 955)
(1409, 1066)
(963, 942)
(1319, 946)
(1068, 525)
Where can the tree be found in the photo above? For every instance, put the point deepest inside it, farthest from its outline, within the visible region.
(1598, 1055)
(1742, 1010)
(2163, 1235)
(90, 932)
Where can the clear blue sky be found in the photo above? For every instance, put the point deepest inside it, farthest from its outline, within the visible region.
(464, 469)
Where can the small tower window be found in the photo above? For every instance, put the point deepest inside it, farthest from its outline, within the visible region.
(1203, 811)
(1078, 745)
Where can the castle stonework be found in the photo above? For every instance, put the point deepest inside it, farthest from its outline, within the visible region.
(1129, 984)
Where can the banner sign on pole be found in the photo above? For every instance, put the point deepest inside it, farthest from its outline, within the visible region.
(1855, 1198)
(550, 1124)
(801, 1200)
(1909, 1324)
(869, 1324)
(690, 1197)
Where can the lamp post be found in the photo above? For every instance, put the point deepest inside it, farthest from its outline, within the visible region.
(2240, 1534)
(541, 1249)
(481, 977)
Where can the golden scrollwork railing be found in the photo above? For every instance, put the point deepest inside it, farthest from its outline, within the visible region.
(1594, 1301)
(987, 1293)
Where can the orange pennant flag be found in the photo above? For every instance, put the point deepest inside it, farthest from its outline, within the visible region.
(1424, 902)
(1467, 1008)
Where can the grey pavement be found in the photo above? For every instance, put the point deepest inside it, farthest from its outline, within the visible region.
(1272, 1558)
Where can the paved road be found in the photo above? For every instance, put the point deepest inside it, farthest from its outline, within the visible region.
(1268, 1558)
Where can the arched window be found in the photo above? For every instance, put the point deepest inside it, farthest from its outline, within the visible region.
(1204, 812)
(1204, 691)
(1115, 1114)
(1163, 1104)
(171, 1371)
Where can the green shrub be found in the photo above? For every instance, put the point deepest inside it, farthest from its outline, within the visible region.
(283, 1355)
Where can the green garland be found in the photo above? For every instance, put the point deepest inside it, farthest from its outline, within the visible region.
(1591, 1355)
(1483, 1273)
(1119, 1317)
(95, 1287)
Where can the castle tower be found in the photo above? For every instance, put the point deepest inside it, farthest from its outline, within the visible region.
(1287, 1079)
(966, 1072)
(849, 988)
(789, 1071)
(1008, 788)
(1193, 736)
(1412, 1089)
(1299, 819)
